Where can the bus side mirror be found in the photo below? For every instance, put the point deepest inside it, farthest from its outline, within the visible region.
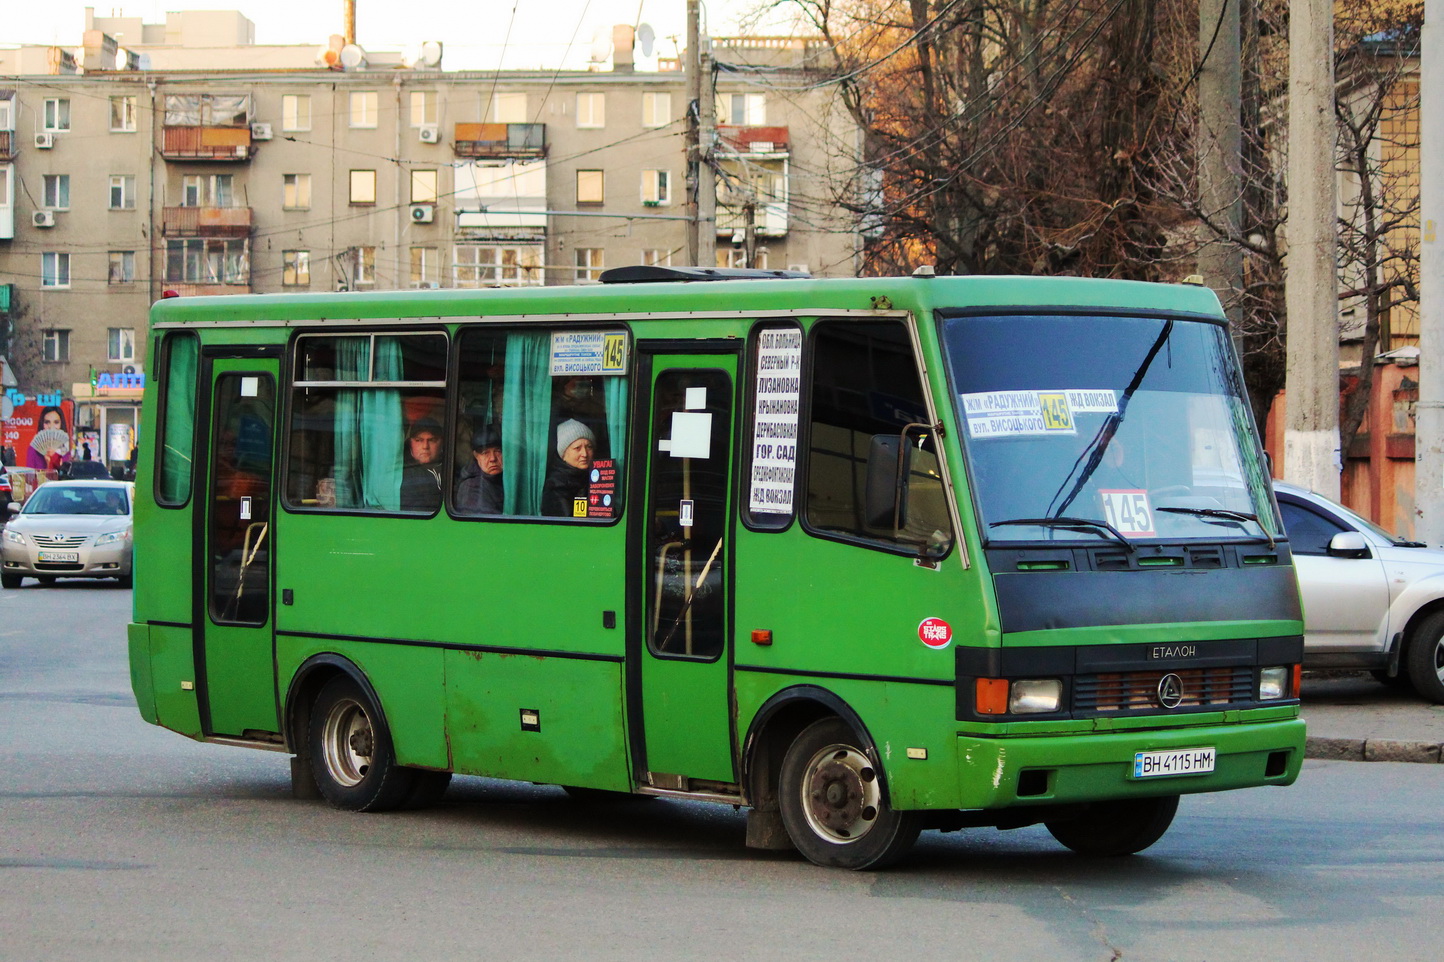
(885, 500)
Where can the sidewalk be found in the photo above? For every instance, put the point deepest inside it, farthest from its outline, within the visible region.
(1352, 717)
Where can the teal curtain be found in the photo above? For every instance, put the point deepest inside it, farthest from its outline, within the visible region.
(385, 435)
(179, 431)
(352, 360)
(526, 421)
(614, 390)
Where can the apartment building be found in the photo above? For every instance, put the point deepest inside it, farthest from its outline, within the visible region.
(199, 163)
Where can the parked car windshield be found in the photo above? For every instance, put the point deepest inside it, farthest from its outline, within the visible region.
(1140, 423)
(57, 499)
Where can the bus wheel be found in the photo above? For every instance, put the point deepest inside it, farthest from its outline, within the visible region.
(1426, 659)
(351, 751)
(832, 802)
(1105, 829)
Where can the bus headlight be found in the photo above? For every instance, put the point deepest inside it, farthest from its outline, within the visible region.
(1034, 695)
(1273, 683)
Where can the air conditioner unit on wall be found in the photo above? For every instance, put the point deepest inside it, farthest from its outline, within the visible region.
(422, 213)
(44, 141)
(429, 134)
(44, 218)
(260, 131)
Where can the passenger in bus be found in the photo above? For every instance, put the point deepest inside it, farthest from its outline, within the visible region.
(570, 478)
(421, 474)
(479, 489)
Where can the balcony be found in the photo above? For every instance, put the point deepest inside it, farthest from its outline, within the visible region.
(206, 221)
(206, 290)
(231, 144)
(7, 145)
(769, 141)
(500, 140)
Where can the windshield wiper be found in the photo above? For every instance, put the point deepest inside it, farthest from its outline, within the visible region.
(1224, 515)
(1077, 524)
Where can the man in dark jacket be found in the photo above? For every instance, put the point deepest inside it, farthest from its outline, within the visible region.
(421, 475)
(479, 490)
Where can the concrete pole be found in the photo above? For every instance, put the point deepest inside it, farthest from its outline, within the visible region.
(1311, 425)
(706, 176)
(1429, 415)
(1220, 152)
(693, 66)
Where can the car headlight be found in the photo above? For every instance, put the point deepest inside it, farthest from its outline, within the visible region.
(111, 538)
(1034, 695)
(14, 537)
(1273, 683)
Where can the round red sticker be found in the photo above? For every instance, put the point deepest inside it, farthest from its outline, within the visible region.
(935, 632)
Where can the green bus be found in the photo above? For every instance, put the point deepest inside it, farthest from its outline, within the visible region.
(863, 556)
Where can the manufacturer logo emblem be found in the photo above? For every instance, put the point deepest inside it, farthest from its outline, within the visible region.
(1170, 690)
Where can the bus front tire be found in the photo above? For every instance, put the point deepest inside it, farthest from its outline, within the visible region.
(1107, 829)
(832, 803)
(351, 751)
(1426, 659)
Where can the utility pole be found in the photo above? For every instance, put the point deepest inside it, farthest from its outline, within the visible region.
(749, 233)
(701, 125)
(1311, 428)
(1220, 152)
(1429, 414)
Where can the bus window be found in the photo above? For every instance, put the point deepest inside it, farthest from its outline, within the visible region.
(178, 426)
(533, 440)
(357, 401)
(869, 422)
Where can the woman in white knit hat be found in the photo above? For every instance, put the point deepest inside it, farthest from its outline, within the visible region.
(570, 478)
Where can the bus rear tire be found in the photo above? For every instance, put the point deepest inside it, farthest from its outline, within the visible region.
(351, 751)
(832, 803)
(1107, 829)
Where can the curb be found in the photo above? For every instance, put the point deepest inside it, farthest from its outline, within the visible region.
(1371, 750)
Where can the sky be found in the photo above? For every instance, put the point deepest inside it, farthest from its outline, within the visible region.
(518, 33)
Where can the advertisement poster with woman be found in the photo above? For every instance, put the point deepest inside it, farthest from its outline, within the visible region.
(40, 434)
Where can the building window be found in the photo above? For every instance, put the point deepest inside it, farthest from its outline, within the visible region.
(736, 257)
(589, 264)
(296, 192)
(365, 266)
(363, 186)
(54, 269)
(296, 112)
(208, 110)
(656, 257)
(193, 190)
(7, 113)
(591, 110)
(55, 347)
(742, 110)
(296, 268)
(122, 268)
(122, 113)
(122, 192)
(363, 108)
(509, 109)
(656, 187)
(485, 265)
(202, 261)
(590, 187)
(423, 187)
(423, 108)
(656, 109)
(56, 115)
(425, 267)
(120, 345)
(55, 191)
(223, 190)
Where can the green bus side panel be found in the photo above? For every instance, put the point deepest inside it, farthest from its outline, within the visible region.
(1098, 766)
(138, 647)
(407, 679)
(172, 663)
(577, 706)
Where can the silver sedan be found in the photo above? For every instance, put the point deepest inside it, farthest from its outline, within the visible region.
(69, 529)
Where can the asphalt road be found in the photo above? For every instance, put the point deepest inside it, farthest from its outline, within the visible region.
(123, 841)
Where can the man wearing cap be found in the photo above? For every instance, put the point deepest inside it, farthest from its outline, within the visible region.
(569, 479)
(479, 489)
(421, 475)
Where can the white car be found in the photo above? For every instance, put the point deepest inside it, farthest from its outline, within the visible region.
(1371, 599)
(69, 529)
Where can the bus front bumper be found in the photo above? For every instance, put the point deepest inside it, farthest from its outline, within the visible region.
(1012, 771)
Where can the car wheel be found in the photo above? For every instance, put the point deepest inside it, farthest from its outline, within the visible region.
(351, 752)
(10, 581)
(832, 802)
(1107, 829)
(1425, 656)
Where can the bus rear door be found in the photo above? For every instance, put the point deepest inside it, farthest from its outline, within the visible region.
(234, 599)
(686, 556)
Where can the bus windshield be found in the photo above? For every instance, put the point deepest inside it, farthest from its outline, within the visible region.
(1129, 429)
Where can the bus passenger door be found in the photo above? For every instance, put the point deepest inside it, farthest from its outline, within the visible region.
(233, 600)
(687, 554)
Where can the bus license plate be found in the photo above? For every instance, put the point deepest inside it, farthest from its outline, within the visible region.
(1183, 761)
(59, 556)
